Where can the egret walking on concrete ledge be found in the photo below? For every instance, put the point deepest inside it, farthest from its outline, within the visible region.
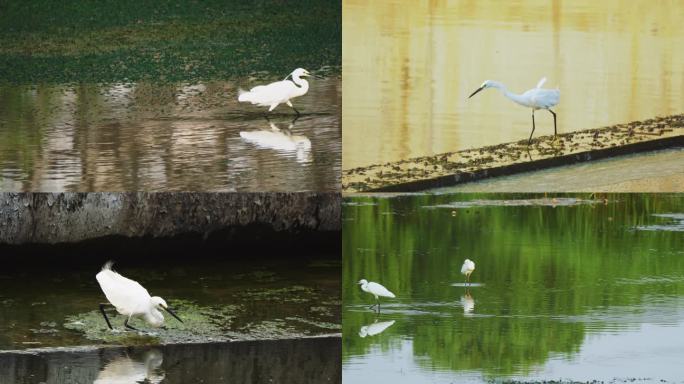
(273, 94)
(376, 290)
(130, 299)
(468, 268)
(535, 98)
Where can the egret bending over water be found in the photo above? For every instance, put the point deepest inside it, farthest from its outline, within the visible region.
(130, 299)
(273, 94)
(468, 268)
(376, 290)
(535, 98)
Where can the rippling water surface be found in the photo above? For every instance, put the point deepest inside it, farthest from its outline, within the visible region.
(574, 287)
(175, 137)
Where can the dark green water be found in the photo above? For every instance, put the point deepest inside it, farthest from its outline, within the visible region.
(57, 306)
(565, 287)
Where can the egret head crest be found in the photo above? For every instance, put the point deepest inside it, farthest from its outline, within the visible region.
(362, 281)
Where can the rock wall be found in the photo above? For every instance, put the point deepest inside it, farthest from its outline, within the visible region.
(50, 218)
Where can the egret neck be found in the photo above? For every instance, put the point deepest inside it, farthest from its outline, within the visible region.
(513, 96)
(302, 85)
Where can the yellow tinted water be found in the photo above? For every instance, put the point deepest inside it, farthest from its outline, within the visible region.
(408, 68)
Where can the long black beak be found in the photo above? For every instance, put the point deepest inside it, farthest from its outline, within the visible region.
(476, 91)
(173, 314)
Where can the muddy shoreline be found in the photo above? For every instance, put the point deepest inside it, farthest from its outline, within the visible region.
(453, 168)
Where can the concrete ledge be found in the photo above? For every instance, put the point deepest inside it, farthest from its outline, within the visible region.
(505, 159)
(51, 218)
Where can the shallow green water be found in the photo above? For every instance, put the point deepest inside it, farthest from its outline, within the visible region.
(565, 287)
(218, 301)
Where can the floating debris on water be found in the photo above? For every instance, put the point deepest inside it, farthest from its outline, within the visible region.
(676, 223)
(544, 202)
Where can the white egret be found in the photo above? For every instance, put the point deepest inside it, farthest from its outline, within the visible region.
(376, 290)
(468, 268)
(130, 299)
(279, 92)
(535, 98)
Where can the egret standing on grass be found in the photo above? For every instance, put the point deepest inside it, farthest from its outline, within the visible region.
(535, 98)
(130, 299)
(376, 290)
(468, 268)
(273, 94)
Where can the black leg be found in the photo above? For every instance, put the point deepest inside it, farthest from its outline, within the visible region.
(554, 122)
(296, 111)
(128, 326)
(531, 133)
(104, 314)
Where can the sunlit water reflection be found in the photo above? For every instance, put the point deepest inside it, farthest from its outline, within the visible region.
(153, 137)
(574, 287)
(409, 68)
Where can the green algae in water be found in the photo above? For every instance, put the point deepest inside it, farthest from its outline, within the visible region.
(294, 294)
(257, 276)
(319, 324)
(200, 324)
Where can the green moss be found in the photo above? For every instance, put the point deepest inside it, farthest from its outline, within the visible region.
(199, 324)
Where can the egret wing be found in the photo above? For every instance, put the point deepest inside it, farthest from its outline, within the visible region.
(545, 98)
(269, 94)
(468, 266)
(541, 82)
(379, 290)
(125, 294)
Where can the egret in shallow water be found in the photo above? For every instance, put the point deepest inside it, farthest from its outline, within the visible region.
(468, 268)
(535, 98)
(279, 92)
(376, 290)
(130, 299)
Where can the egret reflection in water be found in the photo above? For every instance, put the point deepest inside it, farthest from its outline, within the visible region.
(124, 369)
(468, 303)
(375, 328)
(281, 140)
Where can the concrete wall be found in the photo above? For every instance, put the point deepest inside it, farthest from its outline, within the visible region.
(49, 218)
